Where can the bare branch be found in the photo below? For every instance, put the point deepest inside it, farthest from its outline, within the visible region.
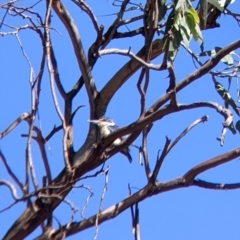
(168, 146)
(67, 147)
(89, 12)
(132, 66)
(95, 151)
(41, 142)
(24, 116)
(215, 186)
(79, 52)
(210, 64)
(11, 187)
(163, 112)
(141, 91)
(153, 189)
(136, 230)
(145, 153)
(23, 52)
(188, 129)
(158, 67)
(124, 74)
(87, 200)
(131, 20)
(54, 130)
(160, 161)
(8, 207)
(51, 63)
(101, 201)
(172, 84)
(211, 163)
(10, 172)
(116, 23)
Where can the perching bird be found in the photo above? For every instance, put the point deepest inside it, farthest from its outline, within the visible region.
(106, 127)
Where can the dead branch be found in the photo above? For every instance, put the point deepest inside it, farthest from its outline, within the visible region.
(24, 116)
(68, 22)
(153, 189)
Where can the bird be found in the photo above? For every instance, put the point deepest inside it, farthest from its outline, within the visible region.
(107, 126)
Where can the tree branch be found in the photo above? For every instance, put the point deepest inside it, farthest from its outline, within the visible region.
(79, 52)
(211, 163)
(124, 74)
(215, 186)
(210, 64)
(24, 116)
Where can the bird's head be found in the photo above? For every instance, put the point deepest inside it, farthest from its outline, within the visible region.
(103, 122)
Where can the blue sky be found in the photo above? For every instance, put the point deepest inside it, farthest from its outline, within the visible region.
(190, 213)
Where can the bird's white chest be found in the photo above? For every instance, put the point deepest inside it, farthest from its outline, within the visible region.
(104, 131)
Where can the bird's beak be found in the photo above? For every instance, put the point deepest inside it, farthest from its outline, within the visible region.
(94, 121)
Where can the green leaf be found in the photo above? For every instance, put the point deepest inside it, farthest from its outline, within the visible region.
(191, 24)
(216, 4)
(186, 36)
(228, 60)
(220, 4)
(210, 53)
(185, 31)
(237, 125)
(200, 36)
(172, 52)
(179, 4)
(232, 128)
(177, 20)
(187, 26)
(194, 14)
(174, 45)
(226, 97)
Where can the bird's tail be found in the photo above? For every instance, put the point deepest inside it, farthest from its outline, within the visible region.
(126, 152)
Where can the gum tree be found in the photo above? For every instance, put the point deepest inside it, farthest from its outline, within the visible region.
(162, 38)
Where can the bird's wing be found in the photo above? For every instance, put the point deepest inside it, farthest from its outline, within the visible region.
(113, 128)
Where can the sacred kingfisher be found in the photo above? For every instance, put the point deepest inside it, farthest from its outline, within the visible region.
(106, 127)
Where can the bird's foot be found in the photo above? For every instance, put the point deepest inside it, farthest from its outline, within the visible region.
(105, 155)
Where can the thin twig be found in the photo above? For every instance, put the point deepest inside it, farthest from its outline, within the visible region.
(50, 65)
(87, 199)
(67, 20)
(22, 117)
(152, 189)
(11, 187)
(163, 112)
(89, 12)
(40, 140)
(10, 172)
(215, 186)
(54, 130)
(158, 67)
(116, 23)
(160, 161)
(189, 128)
(101, 201)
